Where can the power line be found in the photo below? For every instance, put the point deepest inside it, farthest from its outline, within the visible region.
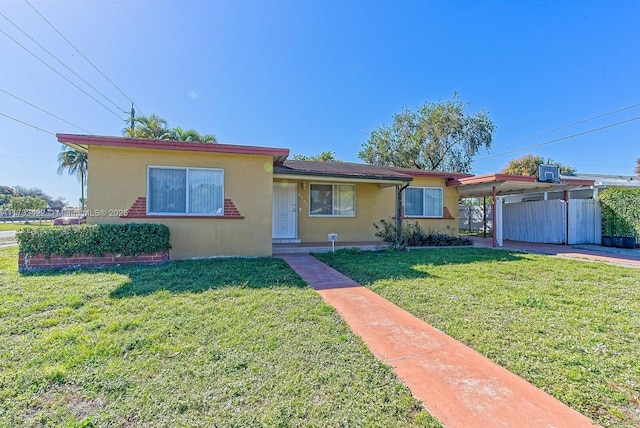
(45, 111)
(83, 55)
(559, 139)
(59, 61)
(61, 75)
(28, 124)
(569, 125)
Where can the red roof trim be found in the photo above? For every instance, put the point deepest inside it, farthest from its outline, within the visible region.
(142, 143)
(488, 178)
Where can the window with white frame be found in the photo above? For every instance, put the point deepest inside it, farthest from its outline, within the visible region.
(185, 191)
(332, 200)
(423, 202)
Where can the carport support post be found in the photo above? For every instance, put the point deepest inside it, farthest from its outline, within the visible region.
(494, 214)
(497, 218)
(566, 216)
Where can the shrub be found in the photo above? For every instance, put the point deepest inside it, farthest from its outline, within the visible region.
(126, 239)
(620, 211)
(414, 236)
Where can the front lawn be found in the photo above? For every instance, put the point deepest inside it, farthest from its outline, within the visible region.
(570, 327)
(229, 342)
(18, 226)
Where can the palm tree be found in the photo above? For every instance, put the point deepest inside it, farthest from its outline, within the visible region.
(152, 126)
(192, 136)
(75, 163)
(638, 166)
(208, 138)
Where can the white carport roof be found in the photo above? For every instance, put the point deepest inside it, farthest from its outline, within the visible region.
(505, 184)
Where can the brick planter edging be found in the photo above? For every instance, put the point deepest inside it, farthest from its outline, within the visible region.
(34, 262)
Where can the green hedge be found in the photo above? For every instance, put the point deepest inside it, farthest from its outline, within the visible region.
(97, 239)
(620, 211)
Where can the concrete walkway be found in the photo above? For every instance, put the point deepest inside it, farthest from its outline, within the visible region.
(623, 257)
(457, 385)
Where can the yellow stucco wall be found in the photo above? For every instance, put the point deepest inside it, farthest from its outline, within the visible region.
(372, 204)
(118, 176)
(451, 198)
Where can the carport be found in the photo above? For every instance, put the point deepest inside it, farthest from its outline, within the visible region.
(498, 186)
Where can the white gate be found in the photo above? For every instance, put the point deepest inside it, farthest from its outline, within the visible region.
(585, 221)
(536, 221)
(548, 221)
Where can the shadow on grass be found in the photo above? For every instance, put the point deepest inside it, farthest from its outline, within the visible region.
(367, 267)
(194, 276)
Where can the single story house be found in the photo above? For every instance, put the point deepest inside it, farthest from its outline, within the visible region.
(232, 200)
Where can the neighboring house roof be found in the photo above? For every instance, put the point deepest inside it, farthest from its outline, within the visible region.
(605, 180)
(81, 142)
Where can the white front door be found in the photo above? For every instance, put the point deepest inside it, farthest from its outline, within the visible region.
(285, 210)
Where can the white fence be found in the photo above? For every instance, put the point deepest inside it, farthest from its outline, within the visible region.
(541, 221)
(549, 221)
(585, 221)
(537, 221)
(472, 218)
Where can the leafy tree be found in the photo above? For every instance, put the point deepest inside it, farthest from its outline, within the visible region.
(24, 203)
(6, 193)
(438, 136)
(55, 204)
(528, 165)
(75, 163)
(322, 157)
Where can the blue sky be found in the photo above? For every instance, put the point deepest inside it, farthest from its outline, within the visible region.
(320, 75)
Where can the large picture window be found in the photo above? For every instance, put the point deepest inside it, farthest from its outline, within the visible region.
(185, 191)
(333, 200)
(423, 202)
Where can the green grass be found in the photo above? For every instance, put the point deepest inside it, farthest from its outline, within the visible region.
(570, 327)
(18, 226)
(229, 342)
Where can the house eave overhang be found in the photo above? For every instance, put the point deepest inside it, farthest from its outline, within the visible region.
(342, 178)
(81, 142)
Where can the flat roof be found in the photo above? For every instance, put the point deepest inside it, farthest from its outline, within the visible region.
(81, 142)
(506, 184)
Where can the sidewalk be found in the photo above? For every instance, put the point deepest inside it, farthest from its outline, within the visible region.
(623, 257)
(457, 385)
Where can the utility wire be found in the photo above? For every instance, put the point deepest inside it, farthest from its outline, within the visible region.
(62, 75)
(83, 55)
(569, 125)
(59, 61)
(559, 139)
(28, 124)
(45, 111)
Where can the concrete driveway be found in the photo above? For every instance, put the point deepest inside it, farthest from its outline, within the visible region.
(8, 238)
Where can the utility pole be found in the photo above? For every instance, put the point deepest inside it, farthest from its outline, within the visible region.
(133, 118)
